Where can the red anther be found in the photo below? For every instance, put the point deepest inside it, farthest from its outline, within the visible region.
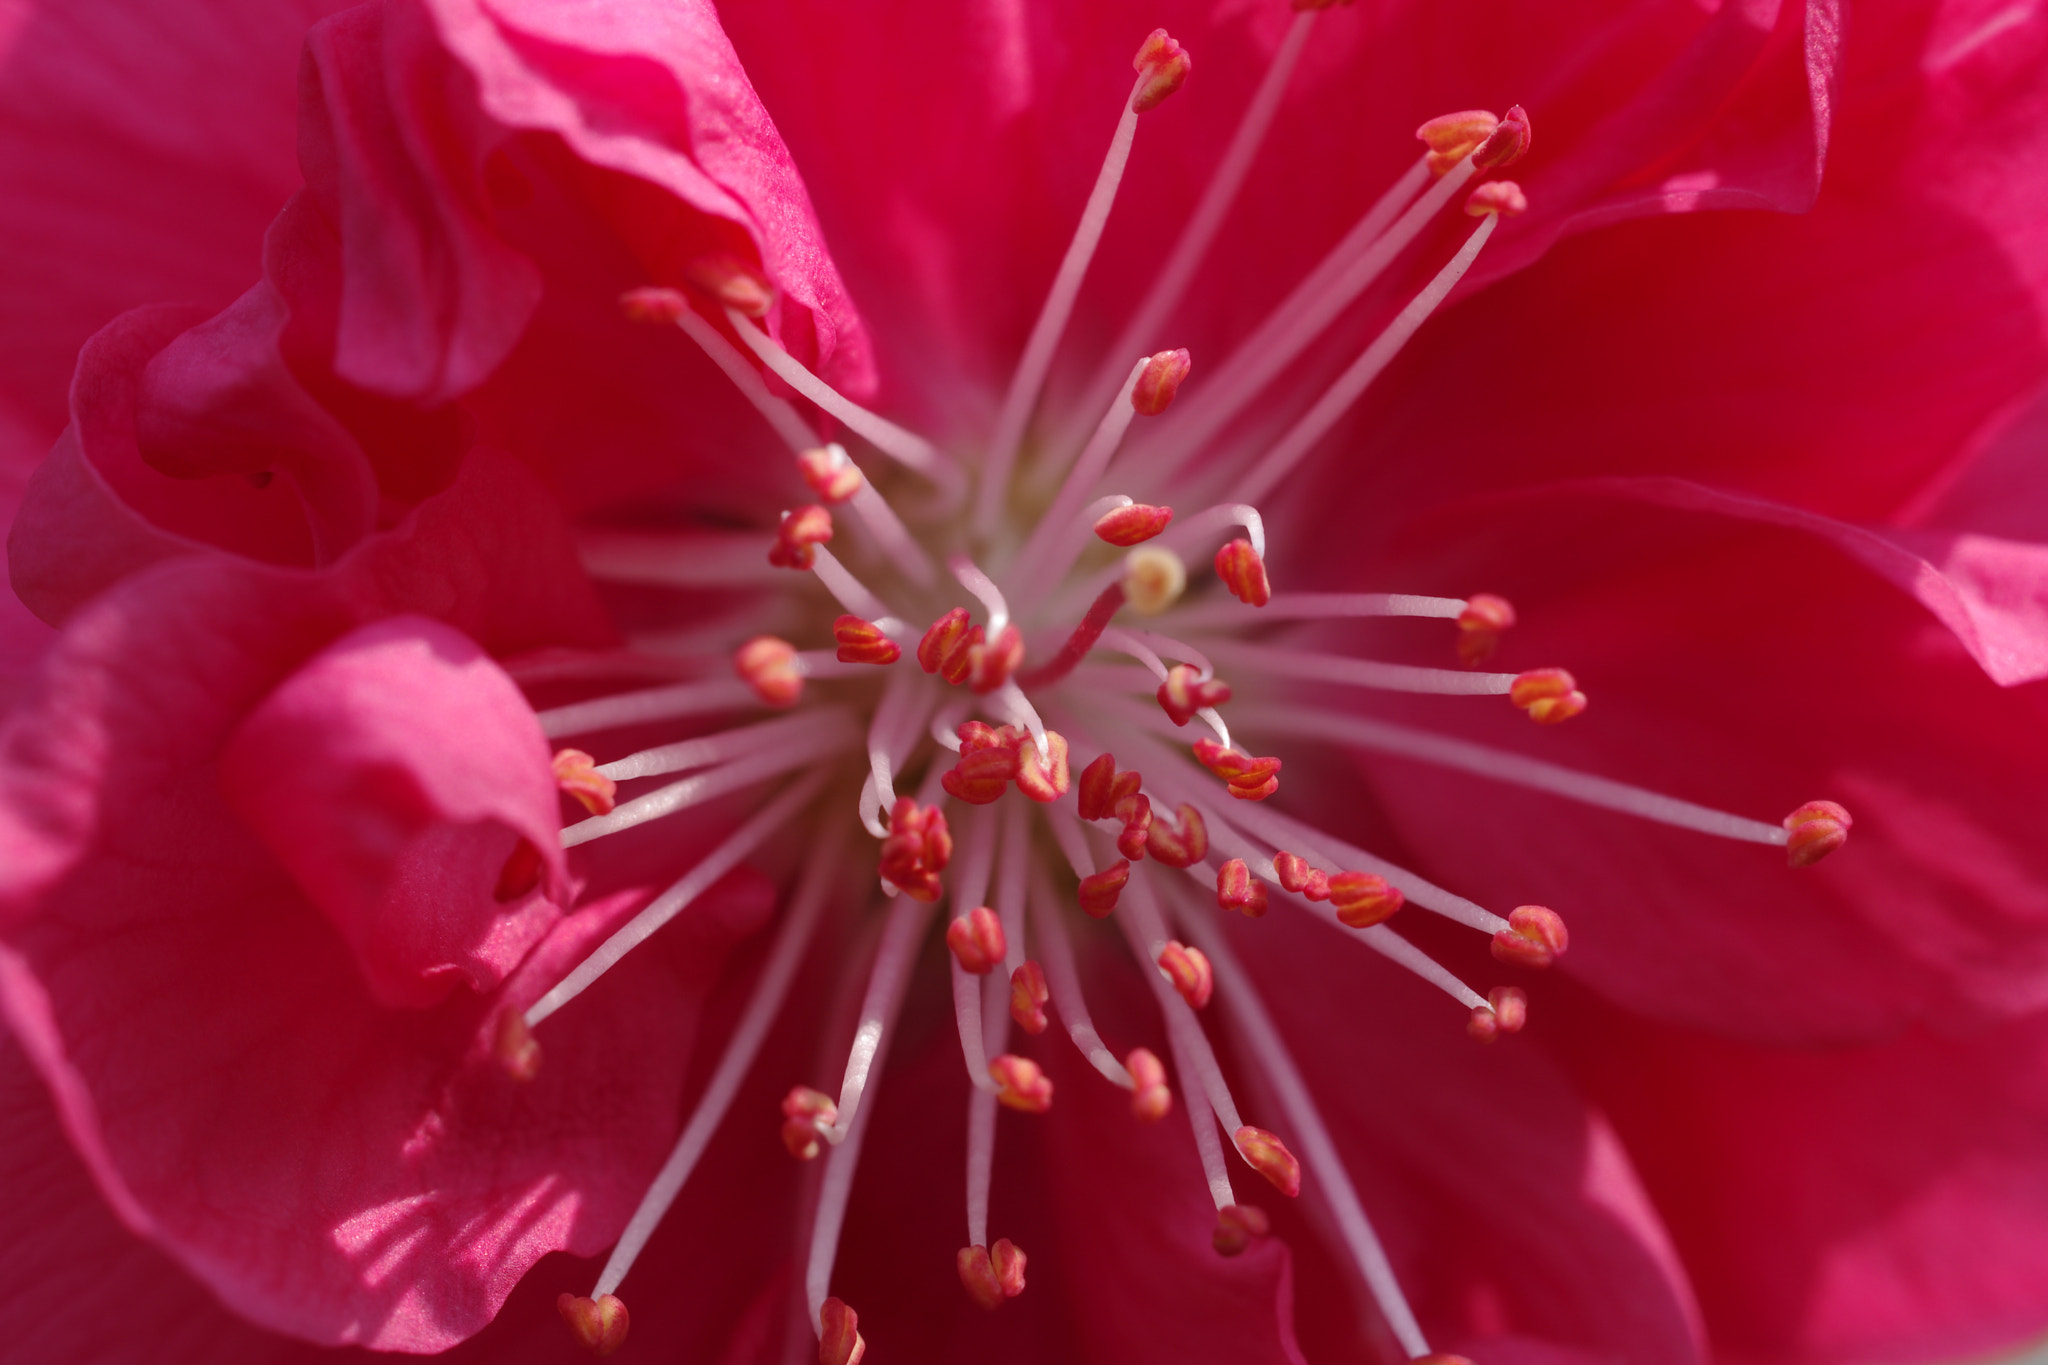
(1164, 64)
(514, 1045)
(1362, 899)
(1135, 811)
(978, 1277)
(1179, 845)
(1132, 525)
(1099, 890)
(839, 1338)
(1503, 197)
(1269, 1156)
(1318, 888)
(862, 642)
(943, 650)
(1185, 692)
(1151, 1098)
(802, 530)
(1237, 1227)
(1452, 137)
(1094, 792)
(1028, 995)
(1020, 1084)
(806, 1114)
(1158, 382)
(1480, 625)
(652, 303)
(1244, 573)
(1249, 778)
(1045, 778)
(1507, 144)
(982, 775)
(1506, 1010)
(1817, 829)
(977, 941)
(576, 773)
(1237, 889)
(1189, 971)
(737, 284)
(917, 849)
(1549, 695)
(769, 667)
(830, 474)
(521, 872)
(1008, 1259)
(1535, 937)
(990, 664)
(1292, 869)
(600, 1324)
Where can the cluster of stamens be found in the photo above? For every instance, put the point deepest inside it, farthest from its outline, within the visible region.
(979, 701)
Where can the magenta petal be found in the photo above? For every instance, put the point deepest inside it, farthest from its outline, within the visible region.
(394, 775)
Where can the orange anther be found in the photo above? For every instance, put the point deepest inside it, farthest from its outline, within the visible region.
(1043, 779)
(839, 1338)
(1159, 381)
(1269, 1156)
(737, 284)
(978, 1277)
(576, 773)
(1028, 995)
(982, 775)
(1185, 692)
(943, 650)
(1480, 625)
(1244, 573)
(1535, 937)
(1151, 1098)
(796, 538)
(1237, 889)
(917, 849)
(514, 1045)
(1503, 197)
(1248, 778)
(862, 642)
(1237, 1227)
(1132, 525)
(600, 1324)
(1020, 1084)
(1188, 969)
(769, 667)
(806, 1114)
(1100, 890)
(1453, 137)
(990, 664)
(1179, 845)
(830, 474)
(1549, 695)
(1507, 144)
(1816, 829)
(1008, 1259)
(1362, 899)
(1505, 1011)
(1164, 64)
(652, 303)
(977, 941)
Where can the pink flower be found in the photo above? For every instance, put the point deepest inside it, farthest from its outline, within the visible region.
(281, 881)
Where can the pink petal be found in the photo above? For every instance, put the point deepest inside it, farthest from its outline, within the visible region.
(394, 775)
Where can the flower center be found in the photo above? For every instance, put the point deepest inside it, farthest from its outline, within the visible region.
(988, 689)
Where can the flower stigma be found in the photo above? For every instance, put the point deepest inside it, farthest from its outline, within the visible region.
(1005, 671)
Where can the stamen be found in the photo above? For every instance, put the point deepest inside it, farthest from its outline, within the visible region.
(1161, 66)
(1814, 831)
(853, 594)
(984, 588)
(1132, 525)
(736, 284)
(1028, 994)
(1159, 381)
(907, 449)
(1189, 972)
(599, 1324)
(977, 941)
(1480, 626)
(1153, 580)
(1237, 889)
(886, 981)
(1081, 641)
(806, 748)
(1501, 766)
(769, 667)
(1309, 666)
(821, 876)
(638, 708)
(1549, 695)
(1021, 1084)
(862, 642)
(798, 537)
(576, 773)
(991, 1278)
(1065, 987)
(1237, 1227)
(1317, 421)
(1316, 606)
(1052, 533)
(831, 474)
(970, 888)
(1151, 1097)
(803, 731)
(839, 1338)
(1099, 891)
(1535, 937)
(675, 559)
(944, 648)
(917, 849)
(790, 426)
(1362, 899)
(1333, 1181)
(513, 1044)
(1506, 1011)
(1503, 197)
(673, 901)
(1203, 524)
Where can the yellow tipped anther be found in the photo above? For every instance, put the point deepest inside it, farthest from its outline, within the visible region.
(1815, 830)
